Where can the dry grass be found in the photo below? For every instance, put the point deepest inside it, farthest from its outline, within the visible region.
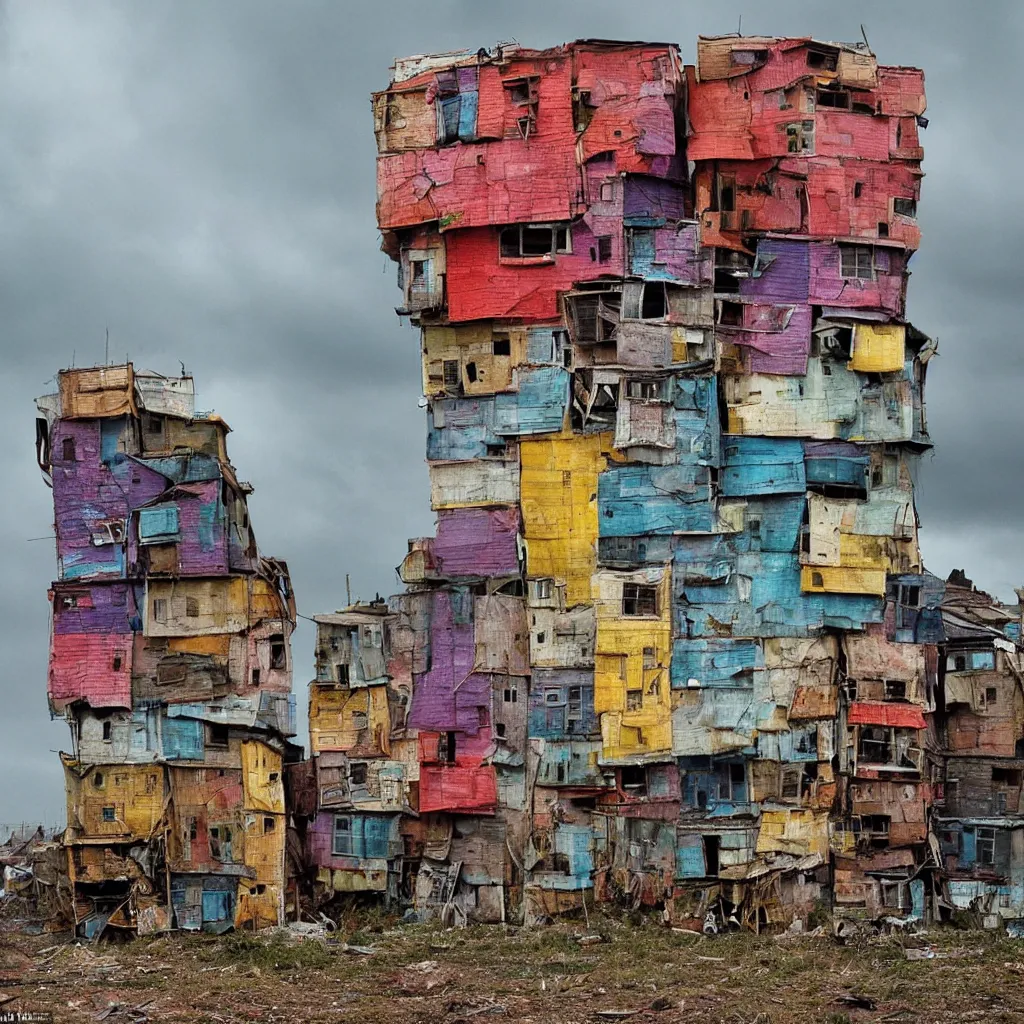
(421, 974)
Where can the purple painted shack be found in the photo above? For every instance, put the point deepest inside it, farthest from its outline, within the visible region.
(95, 488)
(449, 696)
(184, 531)
(114, 607)
(662, 245)
(476, 542)
(858, 276)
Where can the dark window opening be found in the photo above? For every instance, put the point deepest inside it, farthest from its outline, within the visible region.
(501, 345)
(817, 580)
(634, 778)
(255, 677)
(883, 229)
(269, 825)
(822, 60)
(109, 814)
(116, 663)
(67, 449)
(446, 747)
(639, 599)
(192, 607)
(106, 731)
(278, 652)
(357, 774)
(510, 695)
(634, 700)
(895, 689)
(711, 856)
(604, 248)
(730, 314)
(858, 189)
(217, 734)
(654, 302)
(838, 99)
(499, 730)
(343, 674)
(905, 207)
(991, 695)
(1006, 776)
(471, 372)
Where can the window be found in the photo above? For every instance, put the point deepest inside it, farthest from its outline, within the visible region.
(644, 390)
(875, 746)
(343, 674)
(216, 734)
(634, 777)
(106, 732)
(342, 845)
(883, 229)
(858, 189)
(499, 730)
(269, 824)
(650, 661)
(153, 426)
(1006, 776)
(725, 188)
(754, 526)
(544, 589)
(109, 814)
(985, 844)
(574, 709)
(895, 689)
(501, 345)
(837, 99)
(730, 314)
(116, 662)
(607, 191)
(604, 248)
(510, 695)
(857, 261)
(471, 372)
(278, 652)
(525, 241)
(359, 721)
(159, 609)
(800, 137)
(446, 747)
(634, 700)
(67, 449)
(905, 207)
(255, 677)
(991, 695)
(418, 281)
(653, 301)
(192, 607)
(817, 580)
(909, 594)
(357, 773)
(452, 375)
(822, 60)
(639, 599)
(875, 828)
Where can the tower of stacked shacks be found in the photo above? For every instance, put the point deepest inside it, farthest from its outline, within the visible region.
(169, 659)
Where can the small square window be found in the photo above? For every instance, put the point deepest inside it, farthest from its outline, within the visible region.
(607, 191)
(639, 599)
(109, 814)
(192, 607)
(501, 345)
(357, 774)
(634, 700)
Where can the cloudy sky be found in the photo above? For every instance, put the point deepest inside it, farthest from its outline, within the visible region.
(197, 176)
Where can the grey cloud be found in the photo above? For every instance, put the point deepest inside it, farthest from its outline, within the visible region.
(199, 178)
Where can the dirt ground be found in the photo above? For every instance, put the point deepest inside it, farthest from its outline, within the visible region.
(416, 973)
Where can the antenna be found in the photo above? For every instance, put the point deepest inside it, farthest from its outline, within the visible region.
(348, 590)
(106, 349)
(865, 37)
(739, 25)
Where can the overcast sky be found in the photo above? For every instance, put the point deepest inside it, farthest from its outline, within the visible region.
(198, 177)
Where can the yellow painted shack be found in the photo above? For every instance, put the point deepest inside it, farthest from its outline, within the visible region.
(97, 392)
(559, 504)
(632, 692)
(345, 719)
(112, 803)
(471, 359)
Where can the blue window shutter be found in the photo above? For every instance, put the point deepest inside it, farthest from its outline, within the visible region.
(158, 523)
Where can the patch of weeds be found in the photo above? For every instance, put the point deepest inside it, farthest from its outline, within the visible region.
(276, 953)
